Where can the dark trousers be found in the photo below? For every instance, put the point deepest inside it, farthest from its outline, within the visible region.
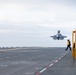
(68, 46)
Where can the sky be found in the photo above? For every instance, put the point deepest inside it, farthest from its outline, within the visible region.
(31, 22)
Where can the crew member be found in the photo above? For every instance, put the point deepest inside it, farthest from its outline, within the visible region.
(68, 45)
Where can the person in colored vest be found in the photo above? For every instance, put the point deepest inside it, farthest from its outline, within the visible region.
(68, 45)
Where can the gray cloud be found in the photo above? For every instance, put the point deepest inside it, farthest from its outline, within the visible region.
(31, 22)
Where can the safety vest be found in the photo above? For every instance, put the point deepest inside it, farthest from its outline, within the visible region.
(68, 42)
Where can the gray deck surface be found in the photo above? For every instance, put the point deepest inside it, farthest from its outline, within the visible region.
(30, 61)
(65, 66)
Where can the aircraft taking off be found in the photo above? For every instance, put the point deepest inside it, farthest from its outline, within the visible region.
(58, 36)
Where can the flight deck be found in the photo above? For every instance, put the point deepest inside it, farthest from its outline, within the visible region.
(65, 66)
(30, 61)
(37, 61)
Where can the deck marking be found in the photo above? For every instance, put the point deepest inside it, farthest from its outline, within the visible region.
(59, 58)
(43, 70)
(28, 73)
(56, 61)
(4, 65)
(52, 63)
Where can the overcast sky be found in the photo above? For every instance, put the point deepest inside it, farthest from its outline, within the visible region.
(32, 22)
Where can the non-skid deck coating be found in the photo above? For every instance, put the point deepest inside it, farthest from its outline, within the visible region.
(35, 61)
(65, 66)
